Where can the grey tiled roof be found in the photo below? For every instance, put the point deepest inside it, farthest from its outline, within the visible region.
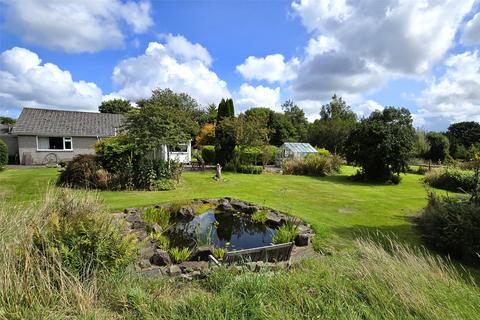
(33, 121)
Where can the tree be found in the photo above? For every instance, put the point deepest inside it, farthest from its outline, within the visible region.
(225, 140)
(281, 129)
(206, 136)
(3, 154)
(225, 109)
(297, 118)
(439, 146)
(167, 118)
(332, 129)
(463, 134)
(119, 106)
(382, 144)
(7, 120)
(225, 132)
(421, 147)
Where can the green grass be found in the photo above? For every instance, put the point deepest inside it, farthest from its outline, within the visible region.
(369, 281)
(337, 208)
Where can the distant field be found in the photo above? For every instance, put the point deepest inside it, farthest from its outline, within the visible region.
(338, 208)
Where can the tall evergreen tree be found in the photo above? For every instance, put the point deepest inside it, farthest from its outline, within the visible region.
(225, 140)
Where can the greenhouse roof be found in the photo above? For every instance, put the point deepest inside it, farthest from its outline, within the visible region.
(300, 147)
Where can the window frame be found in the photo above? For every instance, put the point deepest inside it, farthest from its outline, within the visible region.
(64, 139)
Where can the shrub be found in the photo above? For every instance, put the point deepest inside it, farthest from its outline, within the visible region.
(286, 233)
(323, 152)
(165, 185)
(159, 216)
(84, 171)
(3, 155)
(451, 179)
(259, 216)
(179, 255)
(83, 237)
(243, 168)
(208, 154)
(314, 165)
(268, 155)
(452, 226)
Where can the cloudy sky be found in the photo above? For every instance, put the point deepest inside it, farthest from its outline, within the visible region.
(419, 54)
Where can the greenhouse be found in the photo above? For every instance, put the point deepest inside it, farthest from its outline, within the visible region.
(293, 150)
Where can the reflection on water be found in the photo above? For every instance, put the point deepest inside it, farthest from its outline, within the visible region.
(232, 230)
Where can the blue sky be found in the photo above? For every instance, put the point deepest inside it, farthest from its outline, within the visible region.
(422, 55)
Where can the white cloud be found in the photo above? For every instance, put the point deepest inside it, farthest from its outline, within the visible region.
(249, 96)
(402, 36)
(358, 46)
(366, 108)
(455, 96)
(471, 33)
(320, 45)
(169, 65)
(25, 81)
(76, 25)
(270, 68)
(183, 49)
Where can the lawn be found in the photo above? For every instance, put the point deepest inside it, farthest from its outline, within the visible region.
(337, 208)
(366, 281)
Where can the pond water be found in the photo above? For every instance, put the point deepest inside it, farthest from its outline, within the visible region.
(234, 231)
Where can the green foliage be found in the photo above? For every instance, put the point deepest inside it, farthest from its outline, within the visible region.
(208, 154)
(160, 216)
(313, 165)
(84, 239)
(179, 255)
(452, 226)
(323, 152)
(382, 144)
(117, 156)
(296, 116)
(165, 185)
(421, 146)
(115, 106)
(332, 129)
(84, 171)
(225, 136)
(451, 179)
(439, 147)
(225, 110)
(7, 120)
(260, 216)
(268, 154)
(286, 233)
(243, 168)
(3, 154)
(219, 253)
(462, 135)
(162, 240)
(167, 118)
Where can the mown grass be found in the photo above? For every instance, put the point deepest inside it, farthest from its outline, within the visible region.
(370, 281)
(337, 208)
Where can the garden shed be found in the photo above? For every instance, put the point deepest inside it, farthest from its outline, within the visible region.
(293, 150)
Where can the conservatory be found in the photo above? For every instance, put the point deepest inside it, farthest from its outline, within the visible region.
(293, 150)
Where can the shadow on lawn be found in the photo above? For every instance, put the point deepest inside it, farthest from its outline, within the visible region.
(406, 233)
(345, 180)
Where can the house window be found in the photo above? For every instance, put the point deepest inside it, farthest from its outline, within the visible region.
(181, 147)
(54, 143)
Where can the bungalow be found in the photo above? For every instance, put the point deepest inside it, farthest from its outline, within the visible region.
(45, 136)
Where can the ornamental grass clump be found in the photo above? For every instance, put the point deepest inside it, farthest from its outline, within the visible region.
(260, 216)
(159, 216)
(313, 165)
(286, 233)
(179, 255)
